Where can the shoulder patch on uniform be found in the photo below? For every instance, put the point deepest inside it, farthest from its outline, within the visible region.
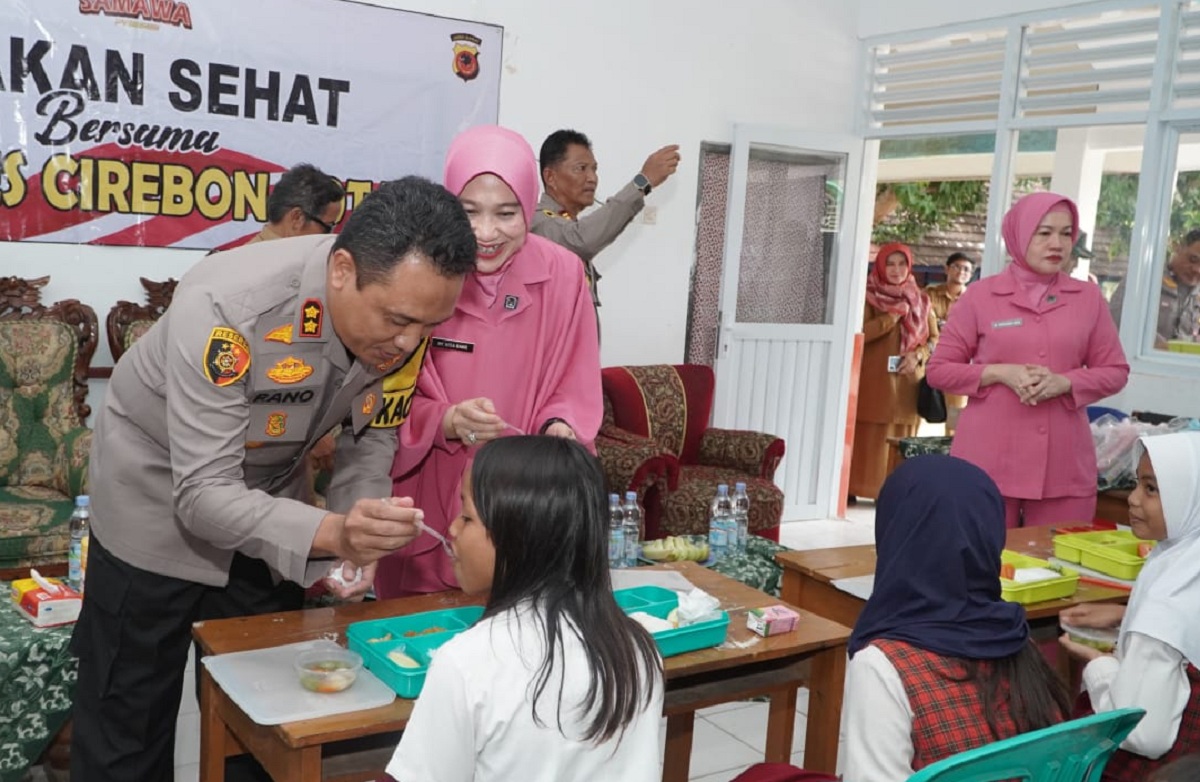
(226, 357)
(312, 315)
(289, 370)
(282, 334)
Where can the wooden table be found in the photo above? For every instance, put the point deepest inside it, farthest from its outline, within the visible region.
(814, 654)
(808, 577)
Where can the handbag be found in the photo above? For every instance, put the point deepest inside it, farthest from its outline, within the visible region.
(931, 403)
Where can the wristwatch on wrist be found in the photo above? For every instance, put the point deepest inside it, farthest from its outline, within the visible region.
(641, 183)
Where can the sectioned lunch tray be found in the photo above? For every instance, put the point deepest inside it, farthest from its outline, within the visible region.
(660, 602)
(264, 683)
(1036, 591)
(1113, 553)
(416, 635)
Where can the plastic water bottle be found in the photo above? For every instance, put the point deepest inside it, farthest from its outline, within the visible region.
(741, 516)
(720, 514)
(77, 551)
(616, 532)
(633, 528)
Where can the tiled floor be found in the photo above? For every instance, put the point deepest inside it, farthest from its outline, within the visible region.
(727, 738)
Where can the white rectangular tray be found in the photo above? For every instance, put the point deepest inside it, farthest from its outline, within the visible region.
(264, 683)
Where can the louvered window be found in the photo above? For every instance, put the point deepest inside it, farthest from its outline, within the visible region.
(1185, 91)
(1091, 65)
(938, 81)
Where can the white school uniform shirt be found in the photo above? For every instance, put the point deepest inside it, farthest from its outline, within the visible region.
(878, 719)
(473, 720)
(1159, 635)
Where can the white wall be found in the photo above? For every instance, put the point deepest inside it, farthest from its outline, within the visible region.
(879, 17)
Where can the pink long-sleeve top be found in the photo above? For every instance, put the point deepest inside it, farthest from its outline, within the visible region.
(534, 352)
(1045, 450)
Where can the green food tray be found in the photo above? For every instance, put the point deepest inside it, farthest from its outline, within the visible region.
(1112, 552)
(1037, 591)
(430, 630)
(660, 602)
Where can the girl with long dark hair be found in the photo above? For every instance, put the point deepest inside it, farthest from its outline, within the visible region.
(554, 682)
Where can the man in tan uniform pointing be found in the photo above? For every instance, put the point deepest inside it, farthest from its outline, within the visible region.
(570, 178)
(197, 465)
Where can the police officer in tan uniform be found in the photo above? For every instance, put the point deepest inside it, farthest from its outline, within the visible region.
(570, 179)
(197, 465)
(1179, 302)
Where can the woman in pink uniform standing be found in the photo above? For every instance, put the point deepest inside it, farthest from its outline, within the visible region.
(520, 355)
(1032, 348)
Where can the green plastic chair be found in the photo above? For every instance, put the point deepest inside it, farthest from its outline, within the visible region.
(1074, 751)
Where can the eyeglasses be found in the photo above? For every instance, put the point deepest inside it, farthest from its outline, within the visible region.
(325, 227)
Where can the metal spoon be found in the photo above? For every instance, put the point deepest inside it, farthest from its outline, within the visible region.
(439, 536)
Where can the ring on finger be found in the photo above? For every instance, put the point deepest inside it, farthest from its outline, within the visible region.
(471, 437)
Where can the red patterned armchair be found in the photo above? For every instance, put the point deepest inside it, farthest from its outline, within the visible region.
(128, 321)
(664, 410)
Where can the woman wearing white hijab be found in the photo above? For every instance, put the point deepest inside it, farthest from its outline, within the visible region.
(1154, 667)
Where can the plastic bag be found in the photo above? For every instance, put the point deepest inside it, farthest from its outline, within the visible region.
(1114, 438)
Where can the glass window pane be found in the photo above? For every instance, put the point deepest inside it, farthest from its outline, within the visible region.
(1178, 322)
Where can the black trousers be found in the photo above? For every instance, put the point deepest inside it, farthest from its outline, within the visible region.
(132, 640)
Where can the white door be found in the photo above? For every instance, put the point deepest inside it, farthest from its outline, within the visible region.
(784, 344)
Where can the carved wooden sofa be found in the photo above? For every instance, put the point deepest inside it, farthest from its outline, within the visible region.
(45, 353)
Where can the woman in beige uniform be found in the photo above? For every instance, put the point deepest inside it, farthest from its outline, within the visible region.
(899, 330)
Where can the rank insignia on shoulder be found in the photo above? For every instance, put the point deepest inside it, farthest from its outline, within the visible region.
(276, 424)
(226, 357)
(282, 334)
(290, 370)
(311, 316)
(368, 405)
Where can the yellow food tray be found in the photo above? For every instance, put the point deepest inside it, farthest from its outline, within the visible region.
(1037, 591)
(1112, 552)
(1183, 346)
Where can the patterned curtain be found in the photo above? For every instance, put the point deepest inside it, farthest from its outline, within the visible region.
(701, 347)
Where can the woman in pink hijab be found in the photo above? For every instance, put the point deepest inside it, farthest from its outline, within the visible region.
(520, 354)
(1032, 348)
(899, 329)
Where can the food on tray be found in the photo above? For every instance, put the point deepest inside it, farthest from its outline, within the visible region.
(327, 675)
(384, 637)
(403, 660)
(1144, 548)
(652, 623)
(1029, 575)
(675, 549)
(1008, 570)
(426, 631)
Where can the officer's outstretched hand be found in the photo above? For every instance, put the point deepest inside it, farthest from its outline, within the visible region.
(661, 164)
(371, 530)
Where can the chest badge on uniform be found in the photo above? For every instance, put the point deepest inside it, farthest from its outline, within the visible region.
(282, 334)
(290, 370)
(368, 405)
(312, 314)
(511, 302)
(226, 357)
(276, 424)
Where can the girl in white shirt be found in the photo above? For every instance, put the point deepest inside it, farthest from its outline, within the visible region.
(554, 682)
(1154, 667)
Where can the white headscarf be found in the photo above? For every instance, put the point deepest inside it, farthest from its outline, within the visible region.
(1165, 603)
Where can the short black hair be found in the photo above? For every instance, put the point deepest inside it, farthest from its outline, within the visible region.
(960, 257)
(305, 187)
(554, 148)
(403, 216)
(1191, 237)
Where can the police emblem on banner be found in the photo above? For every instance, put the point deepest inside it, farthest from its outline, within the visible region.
(226, 357)
(290, 370)
(276, 424)
(312, 314)
(466, 55)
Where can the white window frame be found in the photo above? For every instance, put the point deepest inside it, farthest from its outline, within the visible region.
(1149, 241)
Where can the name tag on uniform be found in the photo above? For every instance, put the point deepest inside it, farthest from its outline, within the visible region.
(1007, 324)
(453, 344)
